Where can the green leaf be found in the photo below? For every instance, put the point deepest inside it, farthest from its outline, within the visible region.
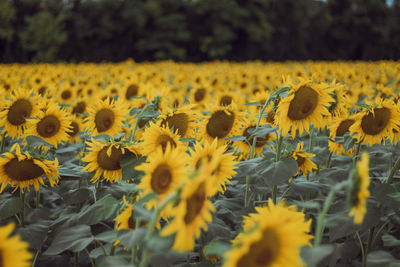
(35, 234)
(108, 236)
(128, 164)
(10, 207)
(390, 241)
(216, 248)
(348, 142)
(76, 238)
(279, 172)
(131, 238)
(118, 260)
(235, 138)
(34, 140)
(313, 255)
(381, 258)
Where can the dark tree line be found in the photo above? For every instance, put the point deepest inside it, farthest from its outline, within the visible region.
(198, 30)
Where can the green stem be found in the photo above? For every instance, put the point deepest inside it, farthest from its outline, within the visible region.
(274, 190)
(320, 220)
(76, 259)
(328, 161)
(279, 148)
(284, 193)
(90, 259)
(102, 247)
(310, 145)
(392, 171)
(35, 258)
(377, 234)
(22, 195)
(133, 255)
(3, 141)
(362, 249)
(146, 253)
(356, 153)
(246, 193)
(370, 236)
(38, 198)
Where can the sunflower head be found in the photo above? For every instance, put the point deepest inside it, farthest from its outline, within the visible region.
(13, 251)
(303, 160)
(359, 192)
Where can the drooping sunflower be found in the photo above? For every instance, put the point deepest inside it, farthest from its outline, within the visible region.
(340, 125)
(182, 120)
(224, 168)
(192, 213)
(272, 237)
(13, 251)
(303, 160)
(165, 171)
(21, 170)
(376, 123)
(125, 219)
(21, 104)
(359, 191)
(106, 116)
(305, 105)
(155, 137)
(105, 159)
(221, 123)
(51, 124)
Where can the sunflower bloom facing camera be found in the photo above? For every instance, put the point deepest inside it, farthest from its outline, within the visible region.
(13, 251)
(359, 191)
(306, 104)
(21, 170)
(272, 237)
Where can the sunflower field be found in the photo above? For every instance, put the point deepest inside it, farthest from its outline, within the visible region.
(208, 164)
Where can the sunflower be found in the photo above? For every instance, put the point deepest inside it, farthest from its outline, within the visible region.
(192, 213)
(376, 123)
(244, 146)
(339, 126)
(105, 117)
(125, 220)
(66, 94)
(359, 191)
(305, 105)
(79, 107)
(199, 95)
(22, 105)
(51, 124)
(224, 167)
(155, 137)
(21, 170)
(13, 251)
(221, 123)
(303, 161)
(272, 237)
(165, 171)
(182, 120)
(105, 158)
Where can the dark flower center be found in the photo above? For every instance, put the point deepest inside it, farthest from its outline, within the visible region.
(177, 122)
(104, 120)
(18, 111)
(48, 126)
(112, 162)
(195, 203)
(303, 104)
(161, 178)
(22, 170)
(374, 125)
(220, 124)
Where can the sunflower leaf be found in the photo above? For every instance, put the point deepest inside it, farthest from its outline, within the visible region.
(279, 172)
(236, 138)
(313, 255)
(76, 238)
(390, 241)
(10, 207)
(381, 258)
(216, 248)
(131, 238)
(34, 140)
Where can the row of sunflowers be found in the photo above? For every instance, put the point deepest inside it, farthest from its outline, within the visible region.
(181, 164)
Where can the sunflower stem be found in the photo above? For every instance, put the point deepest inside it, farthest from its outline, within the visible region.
(321, 216)
(274, 190)
(362, 249)
(328, 161)
(356, 153)
(279, 148)
(37, 198)
(284, 193)
(370, 236)
(310, 145)
(3, 141)
(90, 259)
(146, 253)
(392, 171)
(23, 208)
(377, 234)
(246, 193)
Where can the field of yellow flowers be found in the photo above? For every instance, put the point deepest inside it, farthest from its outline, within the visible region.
(212, 164)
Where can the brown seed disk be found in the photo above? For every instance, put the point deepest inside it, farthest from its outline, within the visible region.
(161, 178)
(48, 126)
(163, 140)
(22, 170)
(112, 162)
(195, 203)
(303, 104)
(179, 122)
(344, 127)
(220, 124)
(374, 125)
(18, 111)
(104, 120)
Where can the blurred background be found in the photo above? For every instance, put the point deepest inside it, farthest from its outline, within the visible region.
(198, 30)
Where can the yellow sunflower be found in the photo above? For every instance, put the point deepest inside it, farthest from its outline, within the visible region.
(105, 159)
(305, 105)
(359, 191)
(76, 127)
(155, 137)
(13, 251)
(51, 124)
(20, 105)
(303, 161)
(224, 167)
(221, 123)
(339, 126)
(376, 123)
(200, 94)
(21, 170)
(272, 237)
(192, 213)
(244, 146)
(165, 171)
(66, 94)
(125, 220)
(182, 120)
(105, 117)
